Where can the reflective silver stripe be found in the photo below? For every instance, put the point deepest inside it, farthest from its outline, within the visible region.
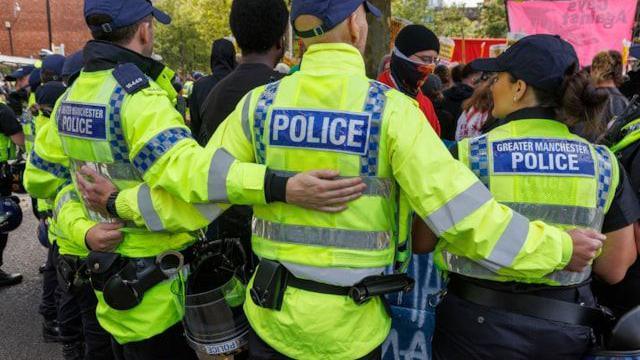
(339, 276)
(319, 236)
(218, 172)
(65, 198)
(560, 214)
(376, 186)
(245, 117)
(458, 208)
(569, 277)
(509, 244)
(480, 270)
(465, 266)
(29, 137)
(209, 211)
(147, 211)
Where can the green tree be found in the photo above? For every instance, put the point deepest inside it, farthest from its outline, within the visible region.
(445, 21)
(185, 44)
(493, 19)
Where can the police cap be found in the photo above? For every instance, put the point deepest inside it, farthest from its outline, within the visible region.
(34, 79)
(540, 60)
(20, 73)
(122, 13)
(331, 12)
(73, 64)
(53, 63)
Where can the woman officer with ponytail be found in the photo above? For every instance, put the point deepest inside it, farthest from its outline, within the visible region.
(536, 166)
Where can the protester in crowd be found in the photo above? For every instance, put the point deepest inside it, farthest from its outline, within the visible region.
(475, 111)
(432, 88)
(456, 95)
(456, 74)
(414, 57)
(223, 61)
(260, 38)
(258, 27)
(443, 72)
(606, 72)
(500, 315)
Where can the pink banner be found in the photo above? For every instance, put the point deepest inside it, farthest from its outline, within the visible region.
(590, 26)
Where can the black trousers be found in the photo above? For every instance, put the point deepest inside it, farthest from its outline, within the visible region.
(50, 291)
(78, 320)
(260, 350)
(5, 190)
(3, 244)
(465, 330)
(169, 345)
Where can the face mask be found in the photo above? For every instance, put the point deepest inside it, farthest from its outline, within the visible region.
(408, 74)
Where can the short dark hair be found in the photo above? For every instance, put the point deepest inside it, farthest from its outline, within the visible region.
(258, 25)
(118, 36)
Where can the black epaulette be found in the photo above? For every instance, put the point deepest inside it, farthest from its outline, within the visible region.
(131, 78)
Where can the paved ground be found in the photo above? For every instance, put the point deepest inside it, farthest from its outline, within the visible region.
(20, 323)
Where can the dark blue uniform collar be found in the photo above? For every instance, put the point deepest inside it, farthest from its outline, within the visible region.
(102, 55)
(536, 112)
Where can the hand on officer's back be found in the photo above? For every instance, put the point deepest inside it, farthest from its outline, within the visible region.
(95, 189)
(104, 237)
(322, 190)
(586, 244)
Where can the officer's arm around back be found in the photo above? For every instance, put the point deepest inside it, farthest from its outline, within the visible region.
(167, 156)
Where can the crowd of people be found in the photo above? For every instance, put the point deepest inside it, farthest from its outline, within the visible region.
(264, 212)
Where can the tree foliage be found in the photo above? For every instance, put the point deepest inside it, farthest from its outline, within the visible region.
(493, 19)
(455, 20)
(185, 44)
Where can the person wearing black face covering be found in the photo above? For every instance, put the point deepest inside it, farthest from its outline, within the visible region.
(414, 57)
(223, 61)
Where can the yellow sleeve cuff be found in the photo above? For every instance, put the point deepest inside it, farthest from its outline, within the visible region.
(124, 204)
(567, 250)
(245, 184)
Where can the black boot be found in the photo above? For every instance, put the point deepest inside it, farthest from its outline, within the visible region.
(73, 351)
(42, 268)
(51, 331)
(7, 279)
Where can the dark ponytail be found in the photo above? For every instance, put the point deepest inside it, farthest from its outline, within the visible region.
(578, 102)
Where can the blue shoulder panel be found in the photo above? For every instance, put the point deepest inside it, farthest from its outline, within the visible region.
(131, 78)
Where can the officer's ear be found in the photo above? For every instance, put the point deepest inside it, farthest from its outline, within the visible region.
(521, 88)
(358, 28)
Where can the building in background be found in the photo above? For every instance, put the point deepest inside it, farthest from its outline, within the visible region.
(27, 25)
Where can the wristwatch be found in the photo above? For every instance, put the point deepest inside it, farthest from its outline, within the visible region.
(111, 204)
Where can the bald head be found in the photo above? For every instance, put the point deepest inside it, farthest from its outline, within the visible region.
(353, 30)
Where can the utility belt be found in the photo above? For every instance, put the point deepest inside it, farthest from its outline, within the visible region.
(123, 280)
(72, 272)
(272, 279)
(548, 305)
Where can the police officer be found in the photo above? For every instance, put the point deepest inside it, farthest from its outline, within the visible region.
(624, 296)
(118, 118)
(10, 136)
(19, 97)
(536, 166)
(329, 112)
